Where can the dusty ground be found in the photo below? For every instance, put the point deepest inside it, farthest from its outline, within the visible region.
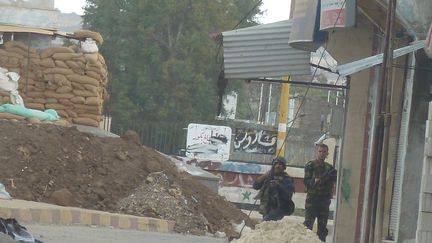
(110, 174)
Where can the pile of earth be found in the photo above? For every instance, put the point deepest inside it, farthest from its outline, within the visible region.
(61, 165)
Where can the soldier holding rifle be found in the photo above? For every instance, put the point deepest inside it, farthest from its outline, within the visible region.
(319, 179)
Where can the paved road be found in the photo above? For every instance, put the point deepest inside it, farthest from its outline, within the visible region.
(83, 234)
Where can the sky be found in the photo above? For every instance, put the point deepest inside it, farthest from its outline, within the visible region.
(276, 10)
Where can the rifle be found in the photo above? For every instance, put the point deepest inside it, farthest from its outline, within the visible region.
(325, 177)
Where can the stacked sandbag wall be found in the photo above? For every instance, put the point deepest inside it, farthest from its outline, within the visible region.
(60, 78)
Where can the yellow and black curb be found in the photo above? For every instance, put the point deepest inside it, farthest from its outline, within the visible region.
(42, 213)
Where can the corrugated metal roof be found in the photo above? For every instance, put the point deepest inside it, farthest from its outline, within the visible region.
(263, 52)
(359, 65)
(23, 29)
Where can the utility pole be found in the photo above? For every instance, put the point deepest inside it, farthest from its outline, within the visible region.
(283, 117)
(384, 121)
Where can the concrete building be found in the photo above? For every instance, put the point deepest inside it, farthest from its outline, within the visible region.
(397, 209)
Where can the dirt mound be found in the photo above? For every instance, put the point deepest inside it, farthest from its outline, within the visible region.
(110, 174)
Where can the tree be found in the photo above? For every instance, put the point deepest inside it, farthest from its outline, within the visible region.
(162, 63)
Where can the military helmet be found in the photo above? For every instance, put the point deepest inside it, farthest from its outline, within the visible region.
(279, 159)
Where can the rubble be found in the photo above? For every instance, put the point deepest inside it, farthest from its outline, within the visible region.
(282, 231)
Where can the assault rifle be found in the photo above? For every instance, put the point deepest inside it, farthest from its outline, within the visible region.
(328, 175)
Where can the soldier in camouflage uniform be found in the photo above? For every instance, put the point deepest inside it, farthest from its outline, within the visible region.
(276, 190)
(318, 180)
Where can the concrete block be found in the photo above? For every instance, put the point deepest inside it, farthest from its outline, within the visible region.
(428, 147)
(428, 132)
(430, 111)
(425, 222)
(426, 202)
(427, 184)
(423, 236)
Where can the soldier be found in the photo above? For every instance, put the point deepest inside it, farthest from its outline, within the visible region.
(276, 190)
(318, 180)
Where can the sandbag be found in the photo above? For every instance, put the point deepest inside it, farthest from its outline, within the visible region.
(78, 100)
(19, 44)
(9, 116)
(82, 34)
(53, 94)
(10, 54)
(51, 100)
(72, 64)
(92, 88)
(66, 102)
(37, 106)
(92, 58)
(47, 62)
(55, 106)
(62, 113)
(51, 51)
(58, 70)
(78, 86)
(85, 121)
(79, 71)
(84, 93)
(62, 122)
(91, 116)
(64, 89)
(34, 94)
(93, 101)
(61, 64)
(82, 79)
(71, 113)
(66, 56)
(22, 52)
(94, 75)
(95, 109)
(39, 100)
(26, 81)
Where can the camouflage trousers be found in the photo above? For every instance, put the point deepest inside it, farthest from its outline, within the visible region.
(317, 207)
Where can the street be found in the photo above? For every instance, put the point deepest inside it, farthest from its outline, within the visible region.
(83, 234)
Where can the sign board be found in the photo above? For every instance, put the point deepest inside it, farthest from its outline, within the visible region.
(208, 142)
(305, 34)
(337, 14)
(255, 141)
(428, 43)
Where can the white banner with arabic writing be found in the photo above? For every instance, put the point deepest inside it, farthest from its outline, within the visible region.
(208, 142)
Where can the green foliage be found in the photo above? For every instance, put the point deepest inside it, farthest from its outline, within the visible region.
(162, 63)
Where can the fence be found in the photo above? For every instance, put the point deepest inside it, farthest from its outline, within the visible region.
(168, 138)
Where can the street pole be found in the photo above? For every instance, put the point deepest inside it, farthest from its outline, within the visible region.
(283, 117)
(384, 119)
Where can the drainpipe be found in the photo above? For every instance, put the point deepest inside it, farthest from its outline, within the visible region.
(384, 121)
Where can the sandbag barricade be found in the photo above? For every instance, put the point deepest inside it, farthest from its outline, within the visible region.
(72, 83)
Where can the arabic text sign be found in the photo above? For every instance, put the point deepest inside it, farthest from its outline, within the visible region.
(208, 142)
(255, 141)
(336, 13)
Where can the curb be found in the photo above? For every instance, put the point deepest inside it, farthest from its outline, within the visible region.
(58, 215)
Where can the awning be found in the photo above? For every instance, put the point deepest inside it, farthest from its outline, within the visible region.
(263, 52)
(357, 66)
